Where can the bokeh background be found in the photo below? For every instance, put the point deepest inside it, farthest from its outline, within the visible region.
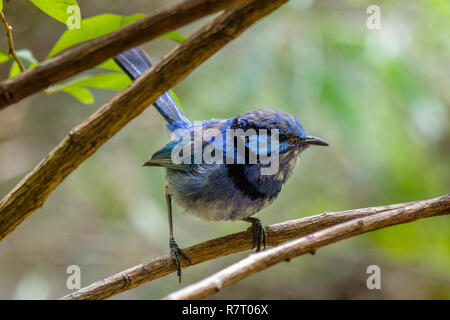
(380, 98)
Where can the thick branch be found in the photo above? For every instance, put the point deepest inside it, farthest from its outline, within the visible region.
(213, 249)
(11, 49)
(94, 52)
(310, 243)
(86, 138)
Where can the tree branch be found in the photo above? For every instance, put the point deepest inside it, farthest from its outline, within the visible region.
(11, 50)
(223, 246)
(92, 53)
(310, 243)
(90, 135)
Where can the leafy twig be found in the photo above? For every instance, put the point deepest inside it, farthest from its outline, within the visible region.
(11, 50)
(91, 53)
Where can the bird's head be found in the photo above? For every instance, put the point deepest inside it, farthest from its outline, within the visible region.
(292, 138)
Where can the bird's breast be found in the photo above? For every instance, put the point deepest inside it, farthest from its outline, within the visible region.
(222, 192)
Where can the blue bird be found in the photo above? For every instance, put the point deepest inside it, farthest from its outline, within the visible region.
(224, 189)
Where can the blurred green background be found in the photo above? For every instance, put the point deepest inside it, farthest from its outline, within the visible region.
(380, 98)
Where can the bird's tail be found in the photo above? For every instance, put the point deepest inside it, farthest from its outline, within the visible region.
(135, 62)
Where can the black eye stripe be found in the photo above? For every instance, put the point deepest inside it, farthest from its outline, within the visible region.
(246, 125)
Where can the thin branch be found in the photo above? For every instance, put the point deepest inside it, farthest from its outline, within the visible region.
(90, 135)
(92, 53)
(223, 246)
(11, 50)
(310, 243)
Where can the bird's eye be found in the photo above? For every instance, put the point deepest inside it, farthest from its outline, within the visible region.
(282, 138)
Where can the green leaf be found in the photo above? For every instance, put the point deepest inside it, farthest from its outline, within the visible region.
(110, 65)
(4, 56)
(110, 81)
(27, 59)
(57, 9)
(92, 28)
(175, 36)
(176, 99)
(14, 70)
(78, 86)
(82, 94)
(1, 5)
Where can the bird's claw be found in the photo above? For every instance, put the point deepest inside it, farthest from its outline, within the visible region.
(175, 253)
(259, 233)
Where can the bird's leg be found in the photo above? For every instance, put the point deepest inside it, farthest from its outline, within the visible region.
(175, 250)
(259, 233)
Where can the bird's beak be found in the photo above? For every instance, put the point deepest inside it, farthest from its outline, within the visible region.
(310, 140)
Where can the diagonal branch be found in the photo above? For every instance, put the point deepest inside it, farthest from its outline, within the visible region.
(89, 136)
(94, 52)
(310, 243)
(238, 242)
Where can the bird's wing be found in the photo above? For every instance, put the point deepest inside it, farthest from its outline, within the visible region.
(164, 157)
(183, 153)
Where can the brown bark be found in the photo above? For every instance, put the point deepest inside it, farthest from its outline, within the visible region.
(310, 243)
(216, 248)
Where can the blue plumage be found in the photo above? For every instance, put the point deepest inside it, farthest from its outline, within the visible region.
(220, 190)
(135, 62)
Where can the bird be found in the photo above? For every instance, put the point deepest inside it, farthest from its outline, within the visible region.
(233, 189)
